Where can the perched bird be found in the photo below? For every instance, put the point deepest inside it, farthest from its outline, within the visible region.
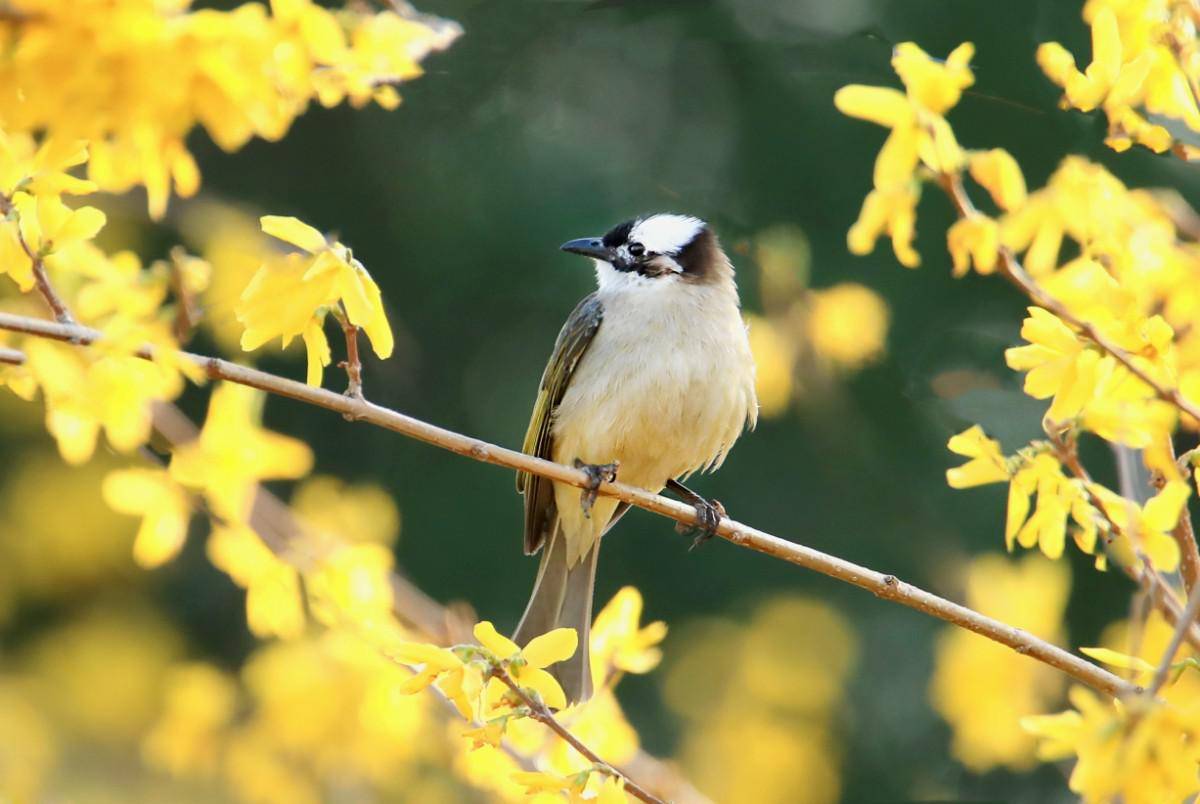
(651, 377)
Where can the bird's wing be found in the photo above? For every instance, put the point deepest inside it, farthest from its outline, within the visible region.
(572, 342)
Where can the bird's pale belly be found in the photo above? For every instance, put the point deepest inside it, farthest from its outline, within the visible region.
(662, 410)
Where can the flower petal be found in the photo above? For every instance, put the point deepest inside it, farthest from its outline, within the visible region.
(491, 639)
(294, 231)
(551, 647)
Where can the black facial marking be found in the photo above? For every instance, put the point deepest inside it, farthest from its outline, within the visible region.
(619, 234)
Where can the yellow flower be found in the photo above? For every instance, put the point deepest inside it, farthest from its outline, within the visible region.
(893, 212)
(1058, 362)
(134, 78)
(200, 701)
(527, 665)
(48, 225)
(273, 603)
(1143, 63)
(1138, 647)
(164, 507)
(1060, 502)
(333, 512)
(538, 782)
(291, 298)
(1124, 410)
(934, 85)
(87, 389)
(353, 584)
(847, 324)
(981, 688)
(620, 642)
(233, 453)
(1139, 751)
(1000, 175)
(18, 379)
(41, 169)
(1149, 525)
(987, 464)
(488, 734)
(975, 238)
(460, 682)
(773, 358)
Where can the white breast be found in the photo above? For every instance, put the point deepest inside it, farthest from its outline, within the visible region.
(665, 388)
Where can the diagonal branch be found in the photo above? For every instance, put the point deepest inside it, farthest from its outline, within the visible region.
(1012, 270)
(881, 584)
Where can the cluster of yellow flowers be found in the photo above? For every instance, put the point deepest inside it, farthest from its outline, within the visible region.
(1145, 63)
(1141, 750)
(503, 690)
(292, 296)
(738, 684)
(134, 77)
(807, 338)
(319, 707)
(1111, 342)
(106, 387)
(982, 688)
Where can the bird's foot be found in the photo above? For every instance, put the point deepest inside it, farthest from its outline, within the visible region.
(597, 473)
(708, 514)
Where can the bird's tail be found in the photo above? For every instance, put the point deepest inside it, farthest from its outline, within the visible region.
(562, 598)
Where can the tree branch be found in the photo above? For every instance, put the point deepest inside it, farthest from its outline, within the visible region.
(541, 713)
(882, 585)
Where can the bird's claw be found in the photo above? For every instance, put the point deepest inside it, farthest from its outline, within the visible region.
(597, 473)
(708, 518)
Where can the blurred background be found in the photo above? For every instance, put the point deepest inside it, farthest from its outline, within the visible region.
(556, 119)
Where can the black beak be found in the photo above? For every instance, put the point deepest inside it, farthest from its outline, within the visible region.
(588, 247)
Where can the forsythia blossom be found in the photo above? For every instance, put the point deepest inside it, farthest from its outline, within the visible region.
(1144, 63)
(1140, 751)
(982, 688)
(241, 73)
(291, 298)
(919, 136)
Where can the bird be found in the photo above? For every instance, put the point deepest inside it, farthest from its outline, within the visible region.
(651, 379)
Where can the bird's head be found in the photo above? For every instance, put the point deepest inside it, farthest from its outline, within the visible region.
(655, 248)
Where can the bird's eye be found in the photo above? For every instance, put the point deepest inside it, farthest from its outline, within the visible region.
(637, 249)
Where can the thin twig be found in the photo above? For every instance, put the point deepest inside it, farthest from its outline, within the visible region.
(12, 357)
(1185, 622)
(40, 278)
(352, 364)
(881, 584)
(541, 713)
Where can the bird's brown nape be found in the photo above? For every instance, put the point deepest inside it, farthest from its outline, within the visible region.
(702, 259)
